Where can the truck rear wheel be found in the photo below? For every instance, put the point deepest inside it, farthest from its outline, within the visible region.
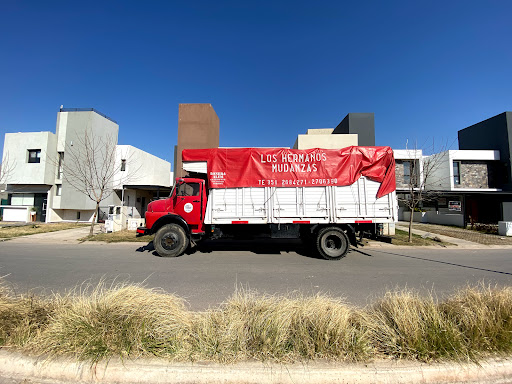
(332, 243)
(171, 240)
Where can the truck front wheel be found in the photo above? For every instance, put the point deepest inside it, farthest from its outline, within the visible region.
(171, 240)
(332, 243)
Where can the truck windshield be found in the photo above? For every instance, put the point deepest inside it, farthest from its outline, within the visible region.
(172, 190)
(188, 189)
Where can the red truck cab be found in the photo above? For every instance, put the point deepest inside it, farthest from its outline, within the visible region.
(184, 208)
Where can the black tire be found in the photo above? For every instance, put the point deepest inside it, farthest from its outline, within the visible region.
(171, 240)
(332, 243)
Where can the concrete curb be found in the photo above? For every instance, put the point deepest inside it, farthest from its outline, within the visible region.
(19, 367)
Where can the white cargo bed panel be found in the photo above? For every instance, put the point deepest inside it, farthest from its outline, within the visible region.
(359, 201)
(236, 204)
(325, 204)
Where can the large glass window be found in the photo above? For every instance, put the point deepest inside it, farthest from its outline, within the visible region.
(456, 172)
(407, 172)
(26, 199)
(34, 155)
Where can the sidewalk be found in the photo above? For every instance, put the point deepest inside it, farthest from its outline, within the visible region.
(66, 236)
(463, 238)
(461, 243)
(25, 369)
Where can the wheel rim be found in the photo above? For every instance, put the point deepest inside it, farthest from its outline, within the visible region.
(170, 241)
(333, 244)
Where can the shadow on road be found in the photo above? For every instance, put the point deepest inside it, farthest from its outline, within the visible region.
(261, 247)
(148, 247)
(445, 262)
(358, 250)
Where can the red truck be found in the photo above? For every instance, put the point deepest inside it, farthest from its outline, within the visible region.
(324, 197)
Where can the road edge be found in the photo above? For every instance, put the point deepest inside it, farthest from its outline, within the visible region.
(14, 365)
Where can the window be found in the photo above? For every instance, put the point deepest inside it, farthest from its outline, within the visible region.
(61, 160)
(78, 215)
(123, 165)
(59, 190)
(26, 199)
(188, 189)
(34, 155)
(456, 172)
(407, 172)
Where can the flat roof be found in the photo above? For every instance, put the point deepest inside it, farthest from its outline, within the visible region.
(87, 110)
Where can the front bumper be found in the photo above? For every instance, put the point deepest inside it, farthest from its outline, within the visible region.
(141, 231)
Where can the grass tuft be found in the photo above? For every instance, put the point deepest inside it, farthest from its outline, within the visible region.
(22, 317)
(124, 320)
(129, 321)
(405, 325)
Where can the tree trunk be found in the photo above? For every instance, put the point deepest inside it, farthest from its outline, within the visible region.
(410, 225)
(94, 218)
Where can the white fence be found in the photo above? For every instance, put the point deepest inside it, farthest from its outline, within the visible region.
(16, 213)
(433, 217)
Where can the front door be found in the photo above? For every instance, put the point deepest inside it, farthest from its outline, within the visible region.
(187, 203)
(43, 210)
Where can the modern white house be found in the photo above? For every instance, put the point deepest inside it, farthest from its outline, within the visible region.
(38, 190)
(453, 178)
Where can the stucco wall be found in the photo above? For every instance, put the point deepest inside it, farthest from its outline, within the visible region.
(71, 215)
(433, 217)
(440, 172)
(17, 145)
(71, 129)
(142, 168)
(327, 141)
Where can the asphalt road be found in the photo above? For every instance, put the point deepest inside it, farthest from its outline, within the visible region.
(208, 277)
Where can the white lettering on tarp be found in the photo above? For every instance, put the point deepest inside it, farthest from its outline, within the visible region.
(294, 162)
(217, 178)
(301, 168)
(268, 158)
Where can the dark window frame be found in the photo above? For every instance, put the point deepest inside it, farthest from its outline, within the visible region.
(456, 175)
(36, 158)
(407, 175)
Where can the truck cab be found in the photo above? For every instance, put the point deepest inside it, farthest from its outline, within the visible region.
(178, 218)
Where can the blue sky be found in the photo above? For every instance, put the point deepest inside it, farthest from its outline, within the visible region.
(271, 70)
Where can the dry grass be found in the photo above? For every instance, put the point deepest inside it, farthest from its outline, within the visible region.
(131, 321)
(119, 237)
(31, 229)
(123, 320)
(22, 317)
(402, 238)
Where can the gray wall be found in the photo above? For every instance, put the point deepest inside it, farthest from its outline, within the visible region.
(362, 124)
(71, 130)
(494, 133)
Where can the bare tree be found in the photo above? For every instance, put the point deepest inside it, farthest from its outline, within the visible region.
(422, 173)
(6, 168)
(90, 166)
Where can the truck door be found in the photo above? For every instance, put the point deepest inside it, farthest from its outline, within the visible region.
(187, 203)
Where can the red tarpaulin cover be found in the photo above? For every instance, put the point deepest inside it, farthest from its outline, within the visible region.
(278, 167)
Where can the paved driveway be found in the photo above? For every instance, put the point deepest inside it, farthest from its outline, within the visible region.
(208, 278)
